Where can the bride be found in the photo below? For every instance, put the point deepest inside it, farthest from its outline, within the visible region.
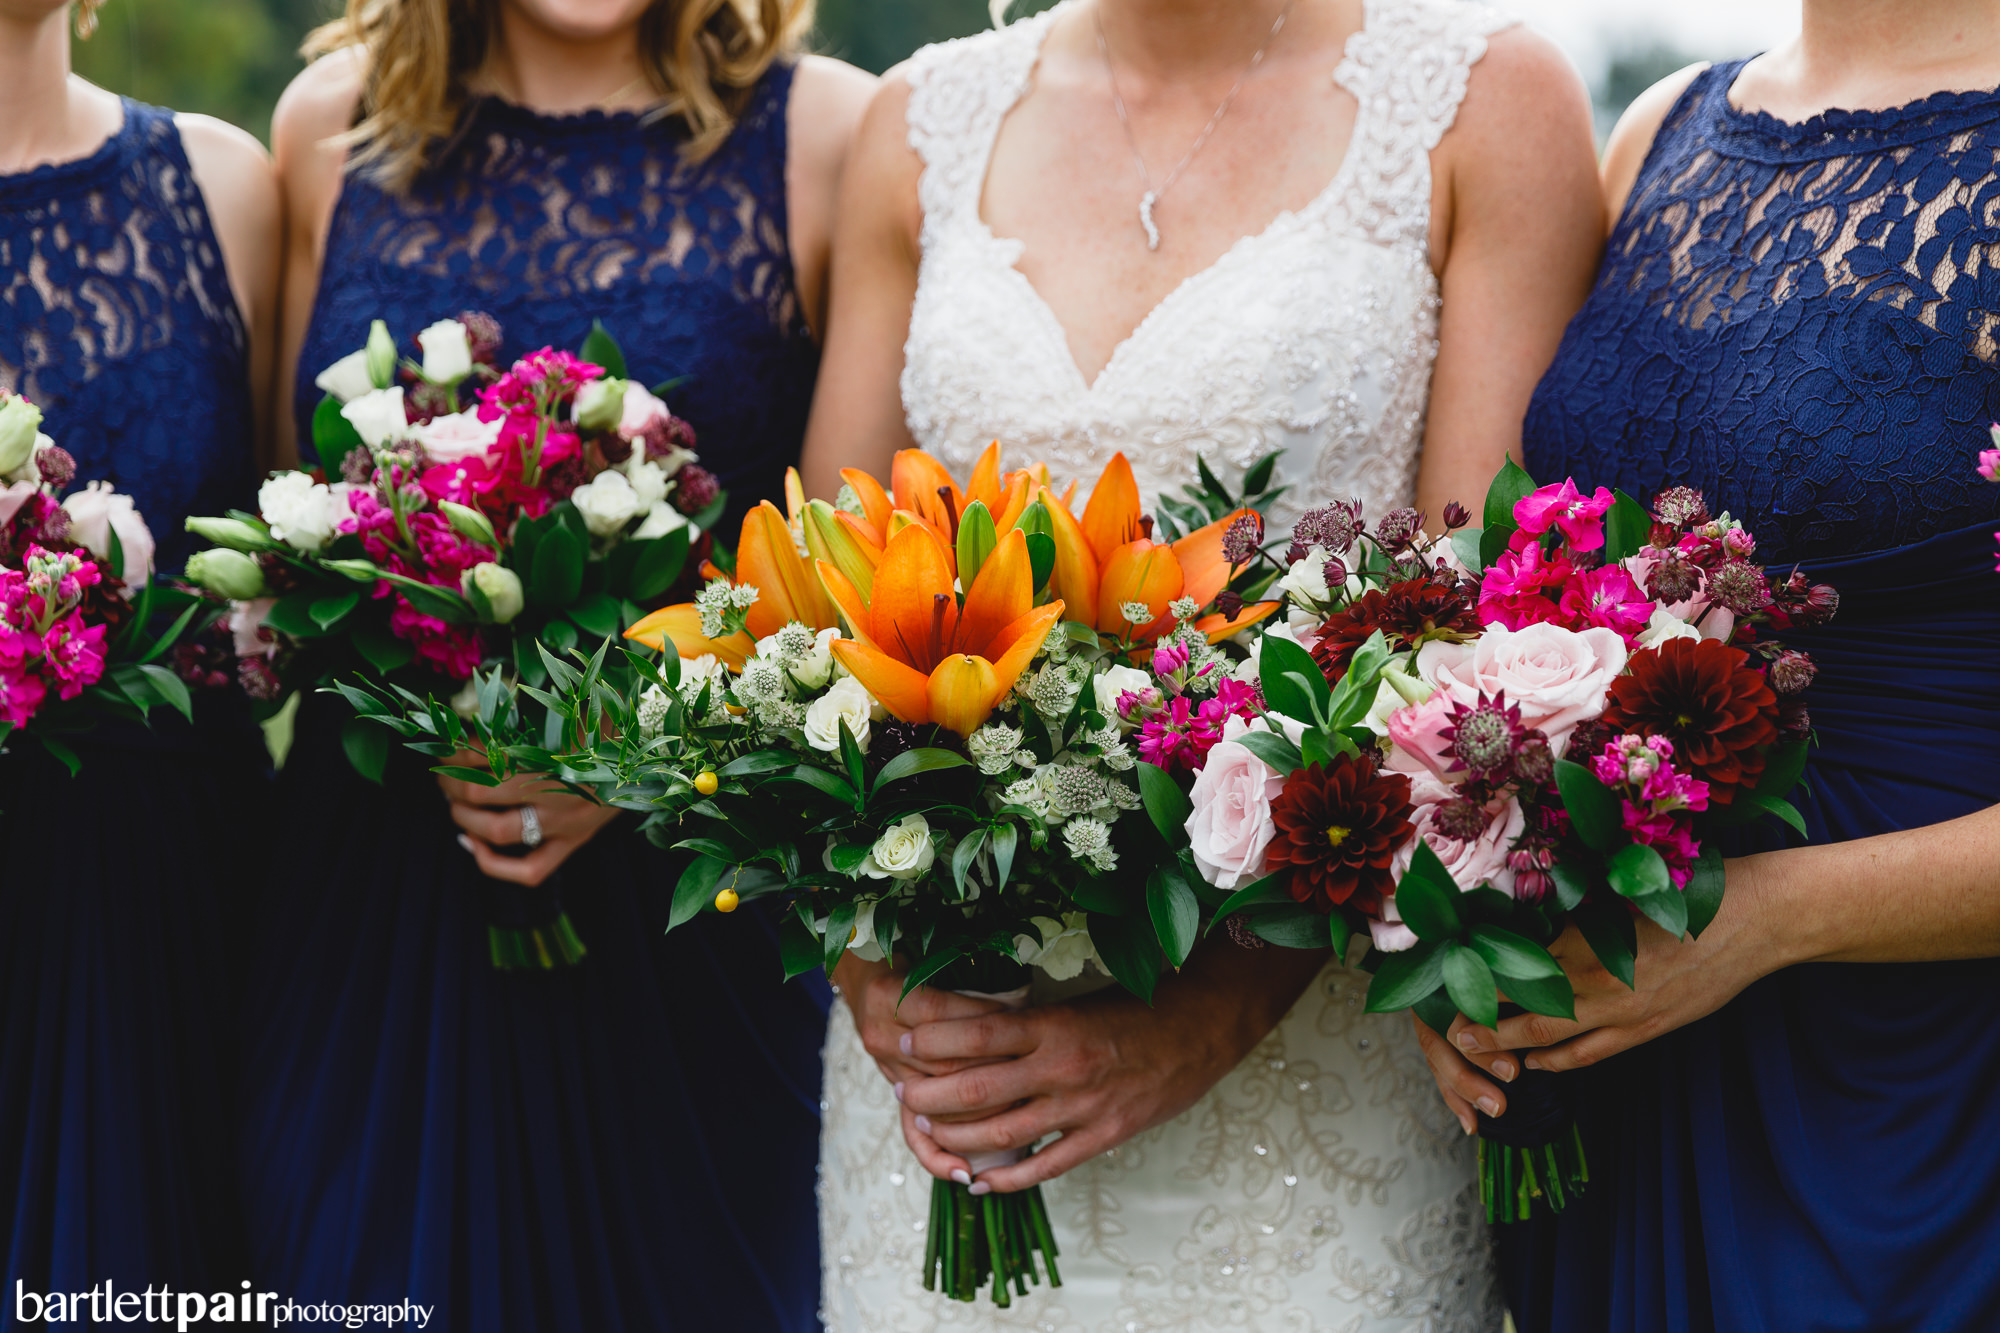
(1350, 230)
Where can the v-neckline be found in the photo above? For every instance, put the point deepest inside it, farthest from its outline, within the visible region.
(1052, 325)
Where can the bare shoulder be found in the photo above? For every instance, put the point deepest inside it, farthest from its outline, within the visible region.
(227, 160)
(829, 97)
(318, 104)
(1632, 139)
(1524, 82)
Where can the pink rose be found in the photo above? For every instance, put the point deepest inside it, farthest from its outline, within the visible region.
(641, 410)
(1390, 934)
(1417, 734)
(1480, 860)
(246, 627)
(1555, 676)
(461, 435)
(13, 497)
(95, 512)
(1231, 824)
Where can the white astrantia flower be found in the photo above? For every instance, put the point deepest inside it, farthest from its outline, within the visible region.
(653, 706)
(1064, 948)
(378, 416)
(813, 668)
(347, 378)
(715, 601)
(1030, 793)
(1089, 841)
(994, 748)
(301, 512)
(904, 850)
(607, 503)
(847, 701)
(447, 352)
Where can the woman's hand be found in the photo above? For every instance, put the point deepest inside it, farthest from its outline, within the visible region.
(491, 817)
(1096, 1070)
(884, 1018)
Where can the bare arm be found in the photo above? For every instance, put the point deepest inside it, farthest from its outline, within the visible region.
(1517, 229)
(857, 417)
(241, 191)
(317, 106)
(827, 103)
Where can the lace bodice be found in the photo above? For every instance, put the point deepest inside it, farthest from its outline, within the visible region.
(549, 222)
(117, 319)
(1798, 319)
(1315, 336)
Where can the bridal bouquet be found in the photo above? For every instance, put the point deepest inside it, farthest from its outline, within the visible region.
(911, 720)
(77, 599)
(1475, 740)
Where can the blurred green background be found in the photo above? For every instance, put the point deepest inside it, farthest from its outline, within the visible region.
(231, 58)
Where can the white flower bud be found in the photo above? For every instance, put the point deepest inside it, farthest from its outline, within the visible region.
(231, 573)
(599, 406)
(499, 586)
(381, 351)
(20, 422)
(378, 416)
(447, 352)
(346, 379)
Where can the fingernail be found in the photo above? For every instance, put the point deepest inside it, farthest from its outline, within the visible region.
(465, 841)
(1470, 1125)
(1532, 1063)
(980, 1187)
(1488, 1105)
(899, 1092)
(1467, 1042)
(923, 1124)
(1502, 1069)
(903, 1043)
(962, 1177)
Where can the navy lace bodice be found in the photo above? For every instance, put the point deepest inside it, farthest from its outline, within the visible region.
(1803, 320)
(117, 320)
(549, 222)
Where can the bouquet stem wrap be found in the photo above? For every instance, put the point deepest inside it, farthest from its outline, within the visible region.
(973, 1238)
(527, 929)
(1533, 1153)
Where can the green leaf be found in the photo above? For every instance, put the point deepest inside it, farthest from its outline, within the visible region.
(832, 784)
(1552, 996)
(1268, 891)
(1322, 748)
(1510, 486)
(333, 436)
(1214, 487)
(1470, 984)
(1786, 811)
(558, 574)
(1130, 949)
(1636, 871)
(1607, 927)
(1704, 889)
(1437, 1011)
(1465, 545)
(596, 615)
(839, 930)
(1572, 885)
(1784, 765)
(1427, 897)
(478, 777)
(1280, 656)
(964, 855)
(1258, 479)
(1176, 913)
(329, 611)
(1513, 956)
(1166, 803)
(431, 600)
(367, 747)
(927, 968)
(601, 349)
(171, 688)
(1004, 838)
(292, 614)
(1356, 693)
(909, 763)
(757, 761)
(1667, 910)
(659, 565)
(850, 755)
(1294, 926)
(62, 754)
(1594, 809)
(798, 944)
(1339, 933)
(1280, 754)
(1404, 978)
(1627, 529)
(559, 636)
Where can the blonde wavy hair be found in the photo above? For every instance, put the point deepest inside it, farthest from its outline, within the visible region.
(703, 57)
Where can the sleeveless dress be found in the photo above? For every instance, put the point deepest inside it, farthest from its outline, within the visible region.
(124, 890)
(627, 1144)
(1799, 320)
(1321, 1184)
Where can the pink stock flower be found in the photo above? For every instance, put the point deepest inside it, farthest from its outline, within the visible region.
(1657, 799)
(537, 382)
(74, 654)
(1989, 459)
(21, 693)
(1236, 698)
(1607, 598)
(1524, 588)
(1580, 517)
(453, 650)
(1178, 738)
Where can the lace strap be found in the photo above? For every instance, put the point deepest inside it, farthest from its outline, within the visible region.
(960, 91)
(1408, 68)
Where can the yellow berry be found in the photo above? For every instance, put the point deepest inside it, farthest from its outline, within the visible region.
(726, 901)
(706, 782)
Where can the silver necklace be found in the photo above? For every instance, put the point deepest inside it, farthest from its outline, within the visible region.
(1151, 198)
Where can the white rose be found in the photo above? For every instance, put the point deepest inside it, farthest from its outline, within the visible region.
(1230, 826)
(378, 416)
(649, 480)
(607, 503)
(447, 352)
(1556, 677)
(815, 669)
(1665, 627)
(1389, 934)
(903, 851)
(661, 519)
(847, 701)
(300, 511)
(1306, 580)
(1118, 681)
(864, 945)
(346, 379)
(1064, 948)
(457, 436)
(95, 512)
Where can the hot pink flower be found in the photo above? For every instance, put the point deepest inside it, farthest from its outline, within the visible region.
(74, 654)
(1178, 737)
(1989, 459)
(1523, 587)
(1580, 518)
(1608, 599)
(21, 693)
(1235, 698)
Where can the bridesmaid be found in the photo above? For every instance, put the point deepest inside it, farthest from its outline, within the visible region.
(138, 274)
(1796, 317)
(628, 1143)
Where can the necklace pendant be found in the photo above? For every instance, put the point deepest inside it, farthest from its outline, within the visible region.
(1146, 219)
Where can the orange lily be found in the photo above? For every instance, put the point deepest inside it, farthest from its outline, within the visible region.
(787, 590)
(926, 658)
(682, 624)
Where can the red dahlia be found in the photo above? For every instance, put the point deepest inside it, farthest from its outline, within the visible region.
(1703, 695)
(1338, 828)
(1407, 613)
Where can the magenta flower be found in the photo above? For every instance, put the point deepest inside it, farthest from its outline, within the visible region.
(1169, 658)
(1235, 698)
(1523, 587)
(1178, 737)
(1989, 462)
(21, 693)
(1580, 518)
(1607, 597)
(74, 654)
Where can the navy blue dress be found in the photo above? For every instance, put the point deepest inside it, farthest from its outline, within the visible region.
(630, 1143)
(123, 891)
(1800, 320)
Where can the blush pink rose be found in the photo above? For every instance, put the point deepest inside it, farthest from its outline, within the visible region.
(1416, 732)
(1557, 677)
(459, 436)
(1231, 823)
(95, 512)
(1476, 861)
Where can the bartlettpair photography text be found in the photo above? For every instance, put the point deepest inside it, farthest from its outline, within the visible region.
(105, 1304)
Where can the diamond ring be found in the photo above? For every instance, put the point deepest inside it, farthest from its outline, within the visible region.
(531, 828)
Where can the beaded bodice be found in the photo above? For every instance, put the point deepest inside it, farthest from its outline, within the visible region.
(1315, 336)
(549, 222)
(117, 320)
(1799, 319)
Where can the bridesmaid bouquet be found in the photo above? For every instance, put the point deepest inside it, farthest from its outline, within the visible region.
(1989, 468)
(1475, 740)
(910, 720)
(77, 599)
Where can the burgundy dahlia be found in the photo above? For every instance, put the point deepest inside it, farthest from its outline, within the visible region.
(1338, 828)
(1408, 613)
(1707, 698)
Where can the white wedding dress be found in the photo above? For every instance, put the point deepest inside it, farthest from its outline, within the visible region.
(1321, 1187)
